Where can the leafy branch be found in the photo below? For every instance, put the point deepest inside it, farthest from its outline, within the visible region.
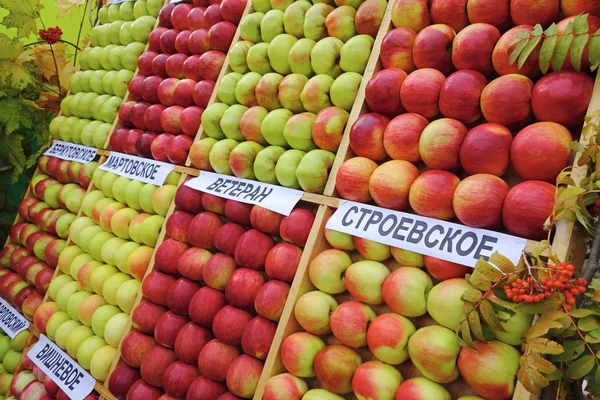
(557, 45)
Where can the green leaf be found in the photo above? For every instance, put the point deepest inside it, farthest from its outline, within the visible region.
(11, 153)
(569, 193)
(580, 368)
(560, 52)
(569, 29)
(576, 146)
(540, 363)
(466, 334)
(503, 263)
(472, 296)
(475, 325)
(523, 34)
(580, 24)
(517, 51)
(577, 50)
(593, 336)
(537, 30)
(22, 15)
(582, 312)
(531, 45)
(9, 48)
(489, 316)
(551, 30)
(594, 50)
(588, 323)
(572, 350)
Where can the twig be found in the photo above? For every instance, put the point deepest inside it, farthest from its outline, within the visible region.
(592, 264)
(79, 34)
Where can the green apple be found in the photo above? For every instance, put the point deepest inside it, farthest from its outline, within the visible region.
(261, 5)
(281, 4)
(114, 328)
(125, 34)
(66, 258)
(89, 200)
(237, 57)
(151, 228)
(75, 82)
(443, 343)
(226, 91)
(241, 159)
(84, 105)
(273, 125)
(85, 80)
(141, 28)
(444, 302)
(298, 131)
(211, 120)
(119, 187)
(74, 103)
(11, 361)
(76, 338)
(173, 178)
(130, 55)
(313, 170)
(113, 32)
(154, 7)
(219, 156)
(97, 104)
(278, 52)
(132, 194)
(258, 58)
(140, 9)
(110, 109)
(20, 341)
(340, 23)
(299, 57)
(245, 90)
(87, 133)
(60, 336)
(230, 122)
(97, 244)
(83, 59)
(121, 82)
(293, 18)
(113, 12)
(122, 254)
(96, 81)
(103, 15)
(93, 58)
(55, 125)
(264, 164)
(78, 127)
(95, 36)
(314, 21)
(145, 199)
(63, 224)
(100, 275)
(135, 227)
(101, 135)
(321, 394)
(101, 317)
(64, 132)
(162, 199)
(325, 56)
(102, 360)
(114, 58)
(110, 248)
(250, 27)
(271, 25)
(78, 226)
(5, 346)
(65, 106)
(87, 350)
(104, 35)
(74, 302)
(315, 94)
(54, 322)
(65, 292)
(344, 90)
(86, 236)
(127, 293)
(355, 53)
(126, 11)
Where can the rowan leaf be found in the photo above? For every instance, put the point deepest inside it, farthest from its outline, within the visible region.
(537, 378)
(541, 328)
(572, 350)
(593, 336)
(577, 50)
(528, 49)
(518, 49)
(569, 28)
(551, 30)
(561, 50)
(582, 312)
(478, 280)
(489, 316)
(544, 346)
(588, 323)
(522, 34)
(523, 377)
(580, 24)
(472, 295)
(487, 269)
(503, 263)
(475, 324)
(468, 307)
(465, 332)
(540, 363)
(580, 368)
(594, 51)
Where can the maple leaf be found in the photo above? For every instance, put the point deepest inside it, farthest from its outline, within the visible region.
(14, 65)
(66, 7)
(22, 15)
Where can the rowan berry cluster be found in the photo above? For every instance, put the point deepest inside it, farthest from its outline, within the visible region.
(50, 35)
(560, 279)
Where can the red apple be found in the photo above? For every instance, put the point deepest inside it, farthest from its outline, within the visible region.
(155, 286)
(213, 203)
(252, 249)
(198, 43)
(271, 298)
(383, 92)
(167, 41)
(507, 101)
(178, 378)
(205, 304)
(174, 65)
(229, 323)
(243, 375)
(180, 294)
(122, 378)
(136, 116)
(420, 92)
(145, 316)
(242, 288)
(203, 388)
(217, 270)
(440, 144)
(238, 212)
(431, 194)
(366, 136)
(232, 10)
(258, 337)
(150, 91)
(164, 18)
(203, 228)
(167, 327)
(154, 39)
(494, 12)
(168, 254)
(473, 46)
(188, 199)
(450, 12)
(215, 358)
(140, 390)
(195, 18)
(177, 225)
(211, 63)
(390, 183)
(182, 42)
(282, 262)
(143, 146)
(220, 35)
(190, 120)
(152, 116)
(135, 346)
(227, 237)
(144, 63)
(519, 218)
(543, 12)
(265, 220)
(159, 146)
(155, 363)
(478, 201)
(486, 150)
(460, 96)
(212, 15)
(166, 91)
(179, 16)
(575, 7)
(401, 137)
(296, 227)
(432, 48)
(177, 151)
(504, 48)
(442, 269)
(202, 92)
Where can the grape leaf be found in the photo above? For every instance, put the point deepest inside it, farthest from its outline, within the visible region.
(22, 15)
(580, 368)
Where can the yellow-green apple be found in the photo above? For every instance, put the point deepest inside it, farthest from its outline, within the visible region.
(314, 21)
(280, 4)
(57, 284)
(200, 151)
(340, 23)
(528, 224)
(285, 386)
(217, 270)
(145, 315)
(422, 388)
(258, 59)
(376, 379)
(312, 311)
(325, 57)
(265, 161)
(421, 90)
(229, 323)
(478, 200)
(75, 338)
(63, 224)
(226, 91)
(576, 92)
(349, 322)
(321, 394)
(180, 293)
(406, 291)
(273, 124)
(154, 364)
(372, 250)
(313, 170)
(243, 376)
(496, 12)
(135, 346)
(250, 26)
(162, 197)
(407, 258)
(444, 302)
(111, 287)
(369, 16)
(126, 295)
(101, 362)
(167, 327)
(100, 275)
(74, 302)
(285, 169)
(486, 149)
(258, 337)
(334, 367)
(87, 308)
(278, 51)
(54, 322)
(364, 280)
(63, 331)
(450, 12)
(87, 349)
(507, 101)
(150, 228)
(412, 14)
(339, 240)
(490, 369)
(190, 340)
(431, 194)
(460, 96)
(293, 18)
(443, 270)
(298, 352)
(434, 351)
(473, 46)
(366, 136)
(219, 156)
(298, 131)
(5, 345)
(245, 89)
(383, 92)
(271, 25)
(576, 7)
(90, 200)
(250, 123)
(328, 128)
(155, 287)
(97, 244)
(545, 136)
(290, 90)
(388, 336)
(66, 291)
(390, 183)
(440, 142)
(544, 12)
(327, 269)
(344, 89)
(242, 288)
(271, 298)
(135, 226)
(43, 314)
(237, 56)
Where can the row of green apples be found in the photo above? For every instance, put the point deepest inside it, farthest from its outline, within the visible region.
(10, 354)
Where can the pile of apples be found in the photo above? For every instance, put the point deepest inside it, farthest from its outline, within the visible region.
(448, 101)
(10, 356)
(368, 299)
(102, 269)
(31, 383)
(212, 303)
(107, 67)
(37, 240)
(284, 105)
(176, 79)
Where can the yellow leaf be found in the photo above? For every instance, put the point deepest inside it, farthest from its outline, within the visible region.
(540, 363)
(66, 7)
(544, 346)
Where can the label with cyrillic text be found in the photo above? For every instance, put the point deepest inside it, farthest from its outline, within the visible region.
(275, 198)
(12, 322)
(138, 168)
(64, 371)
(432, 237)
(71, 152)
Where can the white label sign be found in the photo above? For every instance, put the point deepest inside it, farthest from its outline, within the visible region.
(11, 321)
(446, 240)
(138, 168)
(71, 152)
(68, 375)
(275, 198)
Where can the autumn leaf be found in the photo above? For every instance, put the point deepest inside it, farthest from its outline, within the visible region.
(66, 7)
(22, 15)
